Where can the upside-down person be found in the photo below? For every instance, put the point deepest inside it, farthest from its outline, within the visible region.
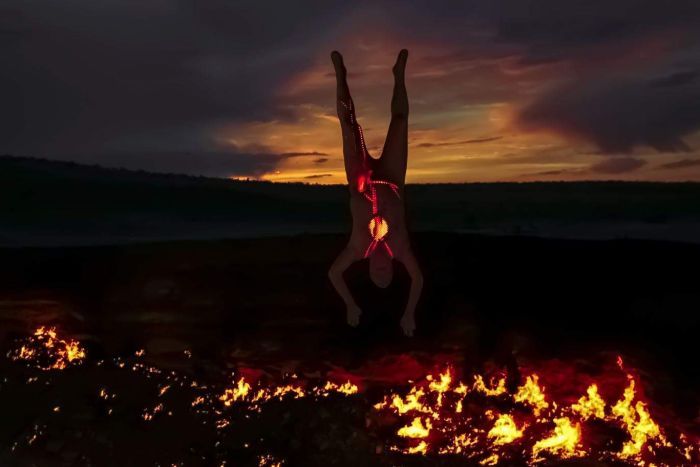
(379, 230)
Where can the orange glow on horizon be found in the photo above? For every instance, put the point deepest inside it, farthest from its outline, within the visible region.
(461, 124)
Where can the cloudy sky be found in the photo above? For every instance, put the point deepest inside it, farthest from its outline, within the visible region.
(499, 90)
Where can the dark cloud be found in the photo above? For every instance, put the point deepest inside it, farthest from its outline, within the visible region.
(679, 78)
(631, 86)
(321, 160)
(93, 79)
(459, 143)
(310, 177)
(112, 82)
(618, 114)
(617, 165)
(681, 164)
(578, 30)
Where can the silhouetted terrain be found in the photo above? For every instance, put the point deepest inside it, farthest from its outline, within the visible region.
(206, 306)
(266, 304)
(47, 202)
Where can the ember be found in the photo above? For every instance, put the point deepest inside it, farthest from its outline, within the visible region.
(47, 351)
(472, 417)
(441, 416)
(243, 392)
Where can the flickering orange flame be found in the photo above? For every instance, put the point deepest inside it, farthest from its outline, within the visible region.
(590, 405)
(242, 392)
(479, 419)
(638, 422)
(416, 429)
(505, 430)
(47, 351)
(433, 411)
(562, 443)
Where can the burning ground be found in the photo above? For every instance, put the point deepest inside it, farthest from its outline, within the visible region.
(235, 353)
(117, 409)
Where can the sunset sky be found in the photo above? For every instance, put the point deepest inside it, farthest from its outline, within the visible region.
(499, 90)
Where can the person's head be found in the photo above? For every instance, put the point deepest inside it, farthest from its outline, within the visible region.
(381, 268)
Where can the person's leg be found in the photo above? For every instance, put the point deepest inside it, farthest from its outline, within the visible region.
(346, 115)
(395, 153)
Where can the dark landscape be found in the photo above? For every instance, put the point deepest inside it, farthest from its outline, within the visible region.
(198, 310)
(46, 203)
(318, 234)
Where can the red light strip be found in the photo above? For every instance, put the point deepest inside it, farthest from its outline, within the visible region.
(368, 186)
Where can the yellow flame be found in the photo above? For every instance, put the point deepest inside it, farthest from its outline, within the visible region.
(199, 400)
(532, 394)
(440, 387)
(637, 421)
(505, 430)
(591, 405)
(26, 353)
(421, 448)
(347, 388)
(61, 352)
(412, 401)
(268, 461)
(443, 385)
(491, 460)
(563, 442)
(460, 443)
(494, 390)
(244, 392)
(416, 429)
(461, 388)
(237, 393)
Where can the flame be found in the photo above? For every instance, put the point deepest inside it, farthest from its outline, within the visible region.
(148, 415)
(412, 401)
(459, 444)
(590, 405)
(444, 414)
(237, 393)
(346, 388)
(421, 448)
(268, 460)
(47, 351)
(480, 421)
(416, 429)
(497, 390)
(636, 420)
(532, 394)
(243, 392)
(505, 430)
(562, 443)
(440, 387)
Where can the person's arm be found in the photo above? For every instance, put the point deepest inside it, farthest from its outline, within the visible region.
(408, 320)
(335, 274)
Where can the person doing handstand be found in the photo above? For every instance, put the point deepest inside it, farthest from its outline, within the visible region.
(376, 186)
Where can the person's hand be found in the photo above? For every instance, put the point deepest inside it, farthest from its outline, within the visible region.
(353, 315)
(408, 324)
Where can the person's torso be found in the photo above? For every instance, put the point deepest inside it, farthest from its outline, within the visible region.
(390, 207)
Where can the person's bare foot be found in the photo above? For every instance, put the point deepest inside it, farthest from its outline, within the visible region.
(338, 63)
(353, 315)
(400, 65)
